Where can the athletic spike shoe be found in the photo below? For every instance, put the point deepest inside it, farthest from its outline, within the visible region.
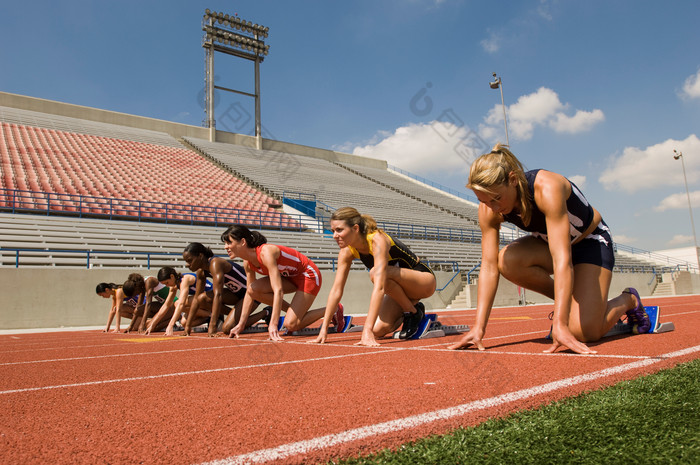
(411, 322)
(339, 319)
(637, 316)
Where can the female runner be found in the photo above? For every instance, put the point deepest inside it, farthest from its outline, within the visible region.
(400, 279)
(122, 306)
(186, 283)
(284, 271)
(228, 289)
(568, 256)
(149, 289)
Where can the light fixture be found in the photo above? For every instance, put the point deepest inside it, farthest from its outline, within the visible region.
(498, 84)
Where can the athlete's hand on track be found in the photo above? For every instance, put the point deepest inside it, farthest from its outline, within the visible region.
(235, 332)
(274, 334)
(169, 331)
(474, 336)
(320, 339)
(563, 337)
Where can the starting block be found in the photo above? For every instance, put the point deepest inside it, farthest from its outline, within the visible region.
(430, 327)
(347, 328)
(654, 313)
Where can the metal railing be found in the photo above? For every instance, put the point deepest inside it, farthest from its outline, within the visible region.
(90, 258)
(85, 206)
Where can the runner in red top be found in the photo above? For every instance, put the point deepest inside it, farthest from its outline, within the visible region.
(284, 271)
(294, 266)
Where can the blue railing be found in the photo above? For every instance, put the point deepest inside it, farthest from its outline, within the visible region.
(88, 257)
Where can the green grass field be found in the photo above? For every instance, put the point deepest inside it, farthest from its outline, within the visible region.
(653, 419)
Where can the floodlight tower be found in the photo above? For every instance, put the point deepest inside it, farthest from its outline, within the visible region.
(235, 37)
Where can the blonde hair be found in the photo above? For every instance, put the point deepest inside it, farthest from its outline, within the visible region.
(352, 217)
(494, 169)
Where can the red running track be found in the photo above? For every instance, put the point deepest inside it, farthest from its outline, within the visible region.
(91, 397)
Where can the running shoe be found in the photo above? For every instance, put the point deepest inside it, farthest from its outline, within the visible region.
(637, 316)
(411, 322)
(339, 319)
(203, 328)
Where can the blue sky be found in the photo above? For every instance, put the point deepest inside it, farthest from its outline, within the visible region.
(599, 91)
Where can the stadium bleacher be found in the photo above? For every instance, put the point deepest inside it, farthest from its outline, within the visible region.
(50, 155)
(331, 184)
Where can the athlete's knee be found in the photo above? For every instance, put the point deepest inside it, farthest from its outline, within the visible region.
(292, 323)
(382, 328)
(254, 290)
(507, 261)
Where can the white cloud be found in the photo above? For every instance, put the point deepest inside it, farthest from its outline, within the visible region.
(678, 201)
(680, 239)
(430, 148)
(579, 180)
(511, 32)
(543, 10)
(581, 121)
(654, 166)
(623, 239)
(691, 86)
(540, 108)
(492, 44)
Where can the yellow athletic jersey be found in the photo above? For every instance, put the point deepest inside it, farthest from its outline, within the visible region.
(399, 254)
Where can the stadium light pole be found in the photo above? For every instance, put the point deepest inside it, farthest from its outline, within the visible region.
(498, 84)
(235, 37)
(690, 208)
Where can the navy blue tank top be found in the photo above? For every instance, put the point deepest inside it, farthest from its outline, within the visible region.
(580, 212)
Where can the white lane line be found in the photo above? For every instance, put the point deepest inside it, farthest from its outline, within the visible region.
(187, 373)
(323, 442)
(132, 354)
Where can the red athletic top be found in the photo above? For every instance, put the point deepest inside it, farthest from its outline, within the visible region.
(290, 262)
(294, 266)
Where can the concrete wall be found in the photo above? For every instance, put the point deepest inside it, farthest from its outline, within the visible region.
(686, 283)
(48, 298)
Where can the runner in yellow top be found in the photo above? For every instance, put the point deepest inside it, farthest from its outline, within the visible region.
(400, 279)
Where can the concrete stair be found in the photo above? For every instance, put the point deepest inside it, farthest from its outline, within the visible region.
(663, 289)
(460, 300)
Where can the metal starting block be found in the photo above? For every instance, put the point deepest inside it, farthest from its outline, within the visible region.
(430, 327)
(347, 328)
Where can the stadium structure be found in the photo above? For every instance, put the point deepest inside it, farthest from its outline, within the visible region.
(91, 195)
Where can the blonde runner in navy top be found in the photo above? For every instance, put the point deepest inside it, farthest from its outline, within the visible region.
(568, 257)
